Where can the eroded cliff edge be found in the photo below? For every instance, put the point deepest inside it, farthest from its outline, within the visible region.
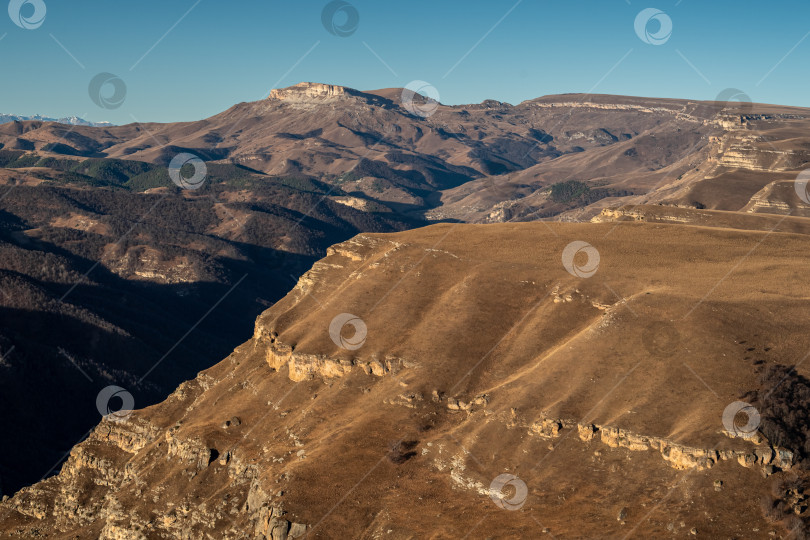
(482, 356)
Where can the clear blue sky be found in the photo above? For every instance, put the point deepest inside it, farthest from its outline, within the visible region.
(222, 53)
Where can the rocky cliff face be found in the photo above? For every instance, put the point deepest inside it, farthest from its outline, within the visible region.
(306, 90)
(480, 361)
(676, 455)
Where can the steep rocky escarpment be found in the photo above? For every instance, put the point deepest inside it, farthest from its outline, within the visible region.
(780, 196)
(467, 357)
(305, 91)
(100, 284)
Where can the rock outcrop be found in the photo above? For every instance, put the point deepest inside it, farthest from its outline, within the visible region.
(302, 366)
(676, 455)
(308, 90)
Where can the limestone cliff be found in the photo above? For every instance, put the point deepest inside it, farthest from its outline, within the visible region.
(308, 90)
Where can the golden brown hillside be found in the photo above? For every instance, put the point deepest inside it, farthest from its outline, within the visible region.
(413, 384)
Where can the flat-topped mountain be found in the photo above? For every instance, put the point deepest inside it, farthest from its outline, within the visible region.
(307, 91)
(466, 358)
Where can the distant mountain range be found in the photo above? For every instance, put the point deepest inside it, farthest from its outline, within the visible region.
(70, 120)
(566, 156)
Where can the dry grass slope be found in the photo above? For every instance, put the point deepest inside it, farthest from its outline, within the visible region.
(483, 356)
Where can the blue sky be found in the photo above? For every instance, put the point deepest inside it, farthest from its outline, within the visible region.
(222, 53)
